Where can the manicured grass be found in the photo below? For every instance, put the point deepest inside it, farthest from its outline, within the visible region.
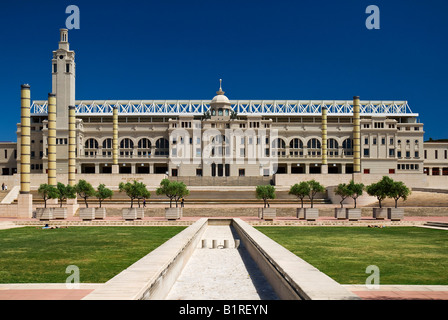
(31, 255)
(404, 255)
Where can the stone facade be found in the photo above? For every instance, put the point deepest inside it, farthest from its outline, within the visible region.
(223, 143)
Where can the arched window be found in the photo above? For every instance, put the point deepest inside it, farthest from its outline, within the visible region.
(296, 147)
(279, 146)
(126, 143)
(314, 147)
(144, 143)
(91, 144)
(332, 147)
(279, 143)
(162, 146)
(107, 144)
(347, 147)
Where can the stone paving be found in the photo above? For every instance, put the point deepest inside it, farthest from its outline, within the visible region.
(221, 273)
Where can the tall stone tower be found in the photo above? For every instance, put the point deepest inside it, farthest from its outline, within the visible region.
(63, 85)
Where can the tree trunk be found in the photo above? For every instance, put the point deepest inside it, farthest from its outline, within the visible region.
(45, 203)
(132, 202)
(301, 200)
(100, 202)
(396, 203)
(354, 199)
(85, 200)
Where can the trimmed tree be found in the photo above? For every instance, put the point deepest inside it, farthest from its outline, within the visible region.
(355, 190)
(180, 190)
(133, 190)
(103, 193)
(342, 191)
(168, 189)
(381, 189)
(47, 192)
(65, 192)
(265, 192)
(315, 187)
(142, 192)
(300, 190)
(84, 190)
(399, 190)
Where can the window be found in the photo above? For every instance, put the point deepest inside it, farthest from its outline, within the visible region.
(107, 144)
(347, 146)
(366, 140)
(408, 154)
(198, 172)
(144, 143)
(67, 68)
(383, 141)
(399, 154)
(91, 144)
(416, 155)
(366, 171)
(6, 153)
(374, 141)
(126, 143)
(391, 141)
(55, 68)
(391, 152)
(425, 154)
(366, 152)
(241, 172)
(391, 171)
(446, 154)
(436, 154)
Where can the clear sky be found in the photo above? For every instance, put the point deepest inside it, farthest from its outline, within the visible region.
(173, 49)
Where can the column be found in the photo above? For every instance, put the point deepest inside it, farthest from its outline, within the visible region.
(25, 198)
(356, 136)
(71, 146)
(115, 168)
(52, 139)
(324, 167)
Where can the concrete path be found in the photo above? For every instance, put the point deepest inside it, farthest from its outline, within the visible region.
(221, 274)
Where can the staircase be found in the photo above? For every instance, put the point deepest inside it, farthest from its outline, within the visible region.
(11, 196)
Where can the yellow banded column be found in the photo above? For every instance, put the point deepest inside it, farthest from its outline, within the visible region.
(71, 146)
(72, 204)
(25, 199)
(324, 168)
(52, 139)
(115, 168)
(356, 136)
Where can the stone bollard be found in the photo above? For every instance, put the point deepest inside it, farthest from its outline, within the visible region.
(214, 244)
(226, 244)
(237, 243)
(204, 243)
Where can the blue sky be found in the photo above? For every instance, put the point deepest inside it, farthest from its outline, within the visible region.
(261, 49)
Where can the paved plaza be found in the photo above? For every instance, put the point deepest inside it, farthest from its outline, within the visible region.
(224, 273)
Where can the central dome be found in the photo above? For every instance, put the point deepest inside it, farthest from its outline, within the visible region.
(220, 97)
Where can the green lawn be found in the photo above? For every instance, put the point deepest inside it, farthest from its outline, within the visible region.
(30, 255)
(404, 255)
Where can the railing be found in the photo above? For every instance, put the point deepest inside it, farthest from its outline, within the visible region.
(242, 107)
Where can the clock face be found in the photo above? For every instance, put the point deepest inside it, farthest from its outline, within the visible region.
(61, 57)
